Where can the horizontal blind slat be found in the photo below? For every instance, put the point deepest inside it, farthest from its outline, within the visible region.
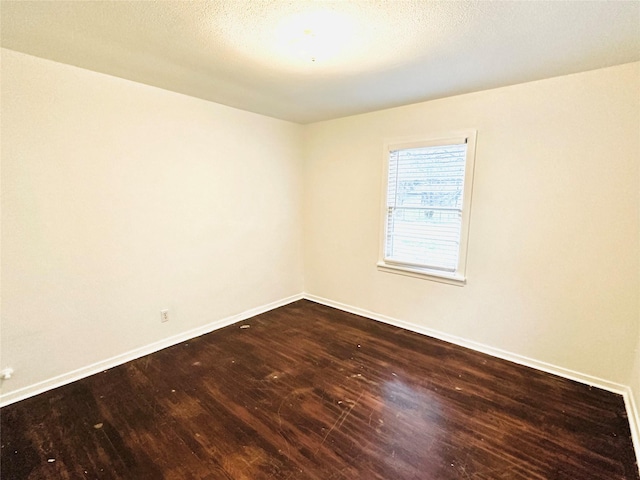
(419, 178)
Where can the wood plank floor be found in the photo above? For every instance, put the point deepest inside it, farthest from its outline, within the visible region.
(309, 392)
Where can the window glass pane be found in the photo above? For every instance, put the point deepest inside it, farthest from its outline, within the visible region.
(424, 237)
(427, 176)
(424, 205)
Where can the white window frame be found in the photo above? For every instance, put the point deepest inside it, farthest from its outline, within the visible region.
(458, 276)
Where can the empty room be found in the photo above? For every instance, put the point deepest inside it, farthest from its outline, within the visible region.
(320, 240)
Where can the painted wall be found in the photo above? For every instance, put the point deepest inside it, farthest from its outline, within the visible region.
(119, 200)
(554, 239)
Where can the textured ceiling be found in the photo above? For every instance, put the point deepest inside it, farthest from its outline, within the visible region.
(306, 61)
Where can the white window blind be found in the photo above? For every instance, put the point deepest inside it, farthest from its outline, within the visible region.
(424, 209)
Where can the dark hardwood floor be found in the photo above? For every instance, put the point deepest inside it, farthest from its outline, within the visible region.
(309, 392)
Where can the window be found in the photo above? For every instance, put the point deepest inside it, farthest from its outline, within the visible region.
(427, 196)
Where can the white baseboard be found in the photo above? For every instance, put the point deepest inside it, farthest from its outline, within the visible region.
(479, 347)
(65, 378)
(633, 412)
(630, 402)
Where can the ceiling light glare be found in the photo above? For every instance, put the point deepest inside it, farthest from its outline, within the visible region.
(325, 38)
(307, 45)
(320, 36)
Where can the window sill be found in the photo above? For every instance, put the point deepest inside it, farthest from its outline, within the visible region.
(426, 274)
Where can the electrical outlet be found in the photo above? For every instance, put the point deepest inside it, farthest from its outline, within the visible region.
(6, 373)
(164, 316)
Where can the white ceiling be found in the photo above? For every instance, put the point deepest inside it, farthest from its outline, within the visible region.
(367, 55)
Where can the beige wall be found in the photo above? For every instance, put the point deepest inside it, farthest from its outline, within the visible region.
(553, 251)
(119, 200)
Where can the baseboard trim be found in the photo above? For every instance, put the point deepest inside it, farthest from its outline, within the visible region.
(630, 402)
(479, 347)
(60, 380)
(633, 412)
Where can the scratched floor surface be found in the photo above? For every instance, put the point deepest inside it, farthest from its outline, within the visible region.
(309, 392)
